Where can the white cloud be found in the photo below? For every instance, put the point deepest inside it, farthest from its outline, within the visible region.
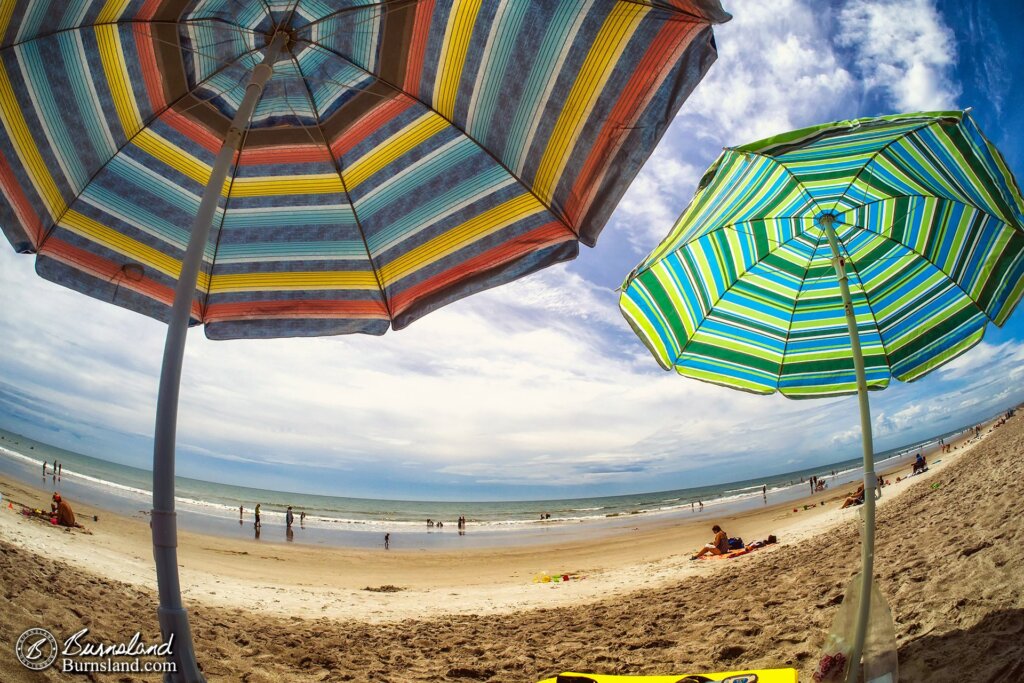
(904, 48)
(776, 71)
(984, 362)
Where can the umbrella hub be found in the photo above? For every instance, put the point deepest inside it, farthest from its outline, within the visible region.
(288, 30)
(826, 219)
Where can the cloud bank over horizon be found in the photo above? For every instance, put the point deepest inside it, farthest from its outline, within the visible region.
(539, 386)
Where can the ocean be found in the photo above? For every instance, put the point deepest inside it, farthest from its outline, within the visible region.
(212, 507)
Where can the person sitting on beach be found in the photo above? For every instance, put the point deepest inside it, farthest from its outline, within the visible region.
(920, 465)
(719, 546)
(62, 511)
(856, 499)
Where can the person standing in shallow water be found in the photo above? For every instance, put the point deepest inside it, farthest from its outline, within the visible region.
(257, 522)
(289, 518)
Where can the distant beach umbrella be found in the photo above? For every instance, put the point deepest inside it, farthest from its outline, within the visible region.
(824, 261)
(279, 168)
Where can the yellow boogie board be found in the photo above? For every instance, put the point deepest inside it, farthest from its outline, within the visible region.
(741, 676)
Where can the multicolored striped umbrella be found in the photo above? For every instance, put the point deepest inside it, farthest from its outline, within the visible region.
(827, 260)
(277, 168)
(403, 154)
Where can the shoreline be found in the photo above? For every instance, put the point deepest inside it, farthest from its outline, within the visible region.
(280, 577)
(208, 517)
(949, 551)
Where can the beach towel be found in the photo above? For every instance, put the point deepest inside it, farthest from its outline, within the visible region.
(740, 676)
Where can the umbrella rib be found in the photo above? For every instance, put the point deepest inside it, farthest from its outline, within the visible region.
(227, 200)
(874, 156)
(728, 289)
(469, 137)
(220, 228)
(185, 49)
(919, 254)
(867, 299)
(796, 301)
(128, 141)
(669, 8)
(344, 187)
(124, 22)
(355, 8)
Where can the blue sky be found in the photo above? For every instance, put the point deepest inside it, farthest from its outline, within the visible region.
(538, 389)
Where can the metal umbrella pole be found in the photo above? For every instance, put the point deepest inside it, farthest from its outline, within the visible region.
(172, 615)
(867, 549)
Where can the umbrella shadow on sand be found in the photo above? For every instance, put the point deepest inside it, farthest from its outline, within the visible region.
(941, 657)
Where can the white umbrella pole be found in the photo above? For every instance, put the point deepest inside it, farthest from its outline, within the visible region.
(867, 550)
(172, 615)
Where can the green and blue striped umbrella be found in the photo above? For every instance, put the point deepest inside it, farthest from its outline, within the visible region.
(285, 168)
(828, 260)
(742, 292)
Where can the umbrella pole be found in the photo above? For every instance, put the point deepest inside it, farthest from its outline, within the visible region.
(868, 535)
(172, 615)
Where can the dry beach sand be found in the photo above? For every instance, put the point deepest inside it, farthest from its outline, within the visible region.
(950, 557)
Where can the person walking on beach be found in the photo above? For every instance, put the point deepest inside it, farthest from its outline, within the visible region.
(257, 522)
(387, 541)
(289, 518)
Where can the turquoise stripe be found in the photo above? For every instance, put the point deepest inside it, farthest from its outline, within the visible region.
(542, 75)
(473, 189)
(497, 61)
(261, 252)
(64, 145)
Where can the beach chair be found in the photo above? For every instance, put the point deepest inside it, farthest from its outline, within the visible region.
(740, 676)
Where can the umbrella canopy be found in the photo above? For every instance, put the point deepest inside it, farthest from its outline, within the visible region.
(345, 166)
(743, 292)
(402, 155)
(827, 260)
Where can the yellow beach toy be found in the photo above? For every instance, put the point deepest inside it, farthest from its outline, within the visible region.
(742, 676)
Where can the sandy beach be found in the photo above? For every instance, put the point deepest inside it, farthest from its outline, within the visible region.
(950, 546)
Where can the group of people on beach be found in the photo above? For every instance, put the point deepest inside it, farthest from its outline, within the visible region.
(289, 520)
(58, 469)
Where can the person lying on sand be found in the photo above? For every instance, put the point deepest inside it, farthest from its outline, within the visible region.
(720, 546)
(856, 499)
